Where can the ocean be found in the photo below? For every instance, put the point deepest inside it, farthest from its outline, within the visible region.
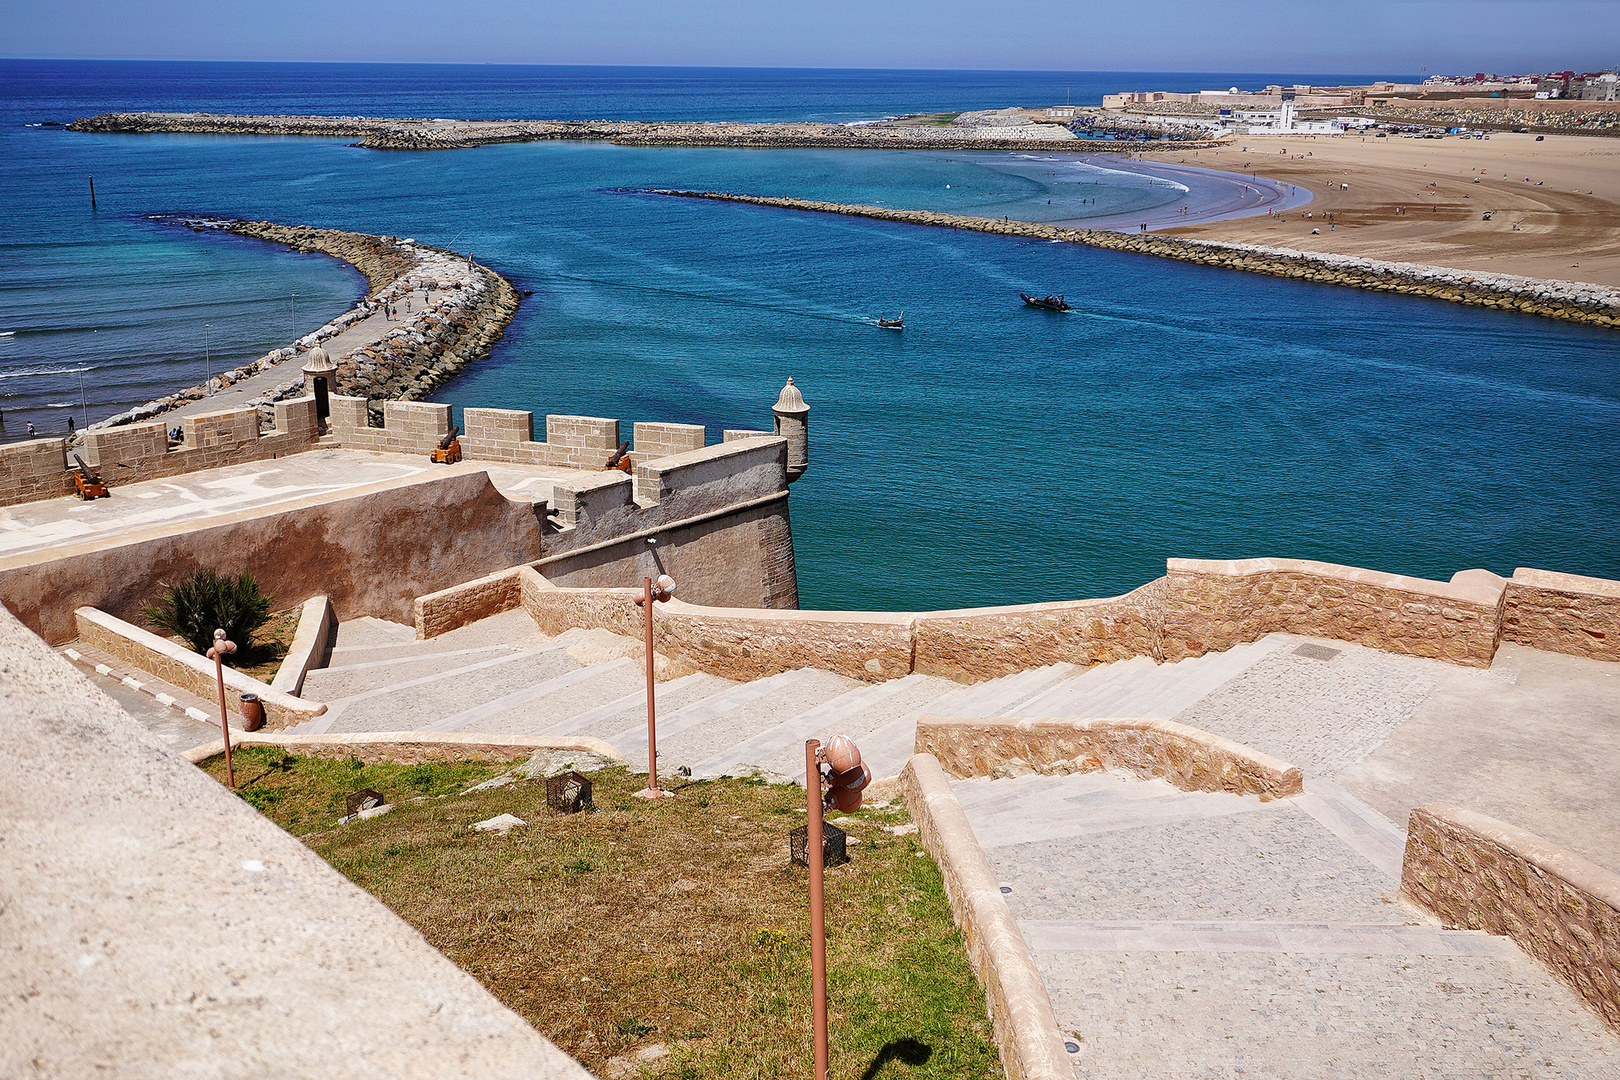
(990, 454)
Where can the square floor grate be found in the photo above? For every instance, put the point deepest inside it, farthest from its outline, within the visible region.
(1316, 652)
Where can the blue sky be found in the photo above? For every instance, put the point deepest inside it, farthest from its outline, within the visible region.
(1072, 35)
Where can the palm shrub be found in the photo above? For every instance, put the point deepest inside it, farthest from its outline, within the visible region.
(208, 601)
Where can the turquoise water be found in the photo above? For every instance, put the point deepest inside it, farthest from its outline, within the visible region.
(990, 454)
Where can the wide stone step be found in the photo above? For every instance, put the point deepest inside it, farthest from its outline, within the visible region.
(780, 750)
(351, 680)
(622, 714)
(532, 709)
(414, 704)
(1062, 699)
(995, 697)
(701, 731)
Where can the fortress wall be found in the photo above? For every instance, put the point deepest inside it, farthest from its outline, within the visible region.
(1190, 758)
(976, 644)
(1478, 873)
(125, 455)
(740, 558)
(349, 545)
(1211, 606)
(409, 427)
(1562, 613)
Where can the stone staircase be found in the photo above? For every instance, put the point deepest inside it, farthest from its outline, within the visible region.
(500, 676)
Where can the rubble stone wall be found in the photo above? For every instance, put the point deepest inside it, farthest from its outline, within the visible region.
(1563, 613)
(1190, 758)
(1477, 873)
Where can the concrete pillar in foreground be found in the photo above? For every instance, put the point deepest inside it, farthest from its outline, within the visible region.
(793, 424)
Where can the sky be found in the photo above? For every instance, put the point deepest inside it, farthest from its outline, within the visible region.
(1427, 36)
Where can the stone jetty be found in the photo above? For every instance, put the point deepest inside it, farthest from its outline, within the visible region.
(382, 133)
(470, 308)
(1576, 301)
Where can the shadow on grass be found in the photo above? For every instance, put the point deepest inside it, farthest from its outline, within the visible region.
(909, 1051)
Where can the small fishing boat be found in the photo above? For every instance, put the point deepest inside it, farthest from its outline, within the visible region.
(893, 324)
(1048, 303)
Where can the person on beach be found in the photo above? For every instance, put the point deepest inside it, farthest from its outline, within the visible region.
(31, 431)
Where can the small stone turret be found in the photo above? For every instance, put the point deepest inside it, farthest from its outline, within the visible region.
(319, 376)
(793, 424)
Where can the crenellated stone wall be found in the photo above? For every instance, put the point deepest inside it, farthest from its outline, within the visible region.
(1477, 873)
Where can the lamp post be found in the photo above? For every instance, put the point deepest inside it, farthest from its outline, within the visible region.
(217, 654)
(847, 776)
(208, 360)
(651, 591)
(293, 302)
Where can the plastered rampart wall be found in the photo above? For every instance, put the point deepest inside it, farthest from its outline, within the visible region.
(371, 549)
(1197, 607)
(1478, 873)
(1190, 758)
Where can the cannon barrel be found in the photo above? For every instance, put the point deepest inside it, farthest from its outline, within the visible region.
(444, 443)
(86, 471)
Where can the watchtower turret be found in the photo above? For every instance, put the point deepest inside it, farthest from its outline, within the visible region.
(793, 424)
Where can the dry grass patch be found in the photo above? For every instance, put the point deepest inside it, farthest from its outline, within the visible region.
(677, 924)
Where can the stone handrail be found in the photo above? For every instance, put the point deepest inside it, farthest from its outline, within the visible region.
(316, 625)
(1189, 758)
(1478, 873)
(411, 747)
(1562, 613)
(1024, 1026)
(174, 663)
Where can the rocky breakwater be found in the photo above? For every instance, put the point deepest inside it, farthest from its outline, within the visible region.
(464, 310)
(1576, 301)
(406, 133)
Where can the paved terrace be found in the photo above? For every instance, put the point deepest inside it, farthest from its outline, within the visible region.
(131, 508)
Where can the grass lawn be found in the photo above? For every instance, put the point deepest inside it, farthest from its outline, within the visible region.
(677, 924)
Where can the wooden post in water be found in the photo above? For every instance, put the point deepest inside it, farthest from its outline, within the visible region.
(92, 193)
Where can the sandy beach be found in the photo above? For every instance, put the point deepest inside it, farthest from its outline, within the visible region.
(1415, 200)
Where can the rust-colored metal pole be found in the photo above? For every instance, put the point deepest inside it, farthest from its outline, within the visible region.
(652, 715)
(224, 719)
(818, 911)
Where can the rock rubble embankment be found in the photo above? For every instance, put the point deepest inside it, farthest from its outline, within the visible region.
(469, 310)
(1576, 301)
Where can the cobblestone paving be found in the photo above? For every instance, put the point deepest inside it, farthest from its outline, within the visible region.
(1203, 1016)
(1321, 715)
(1275, 864)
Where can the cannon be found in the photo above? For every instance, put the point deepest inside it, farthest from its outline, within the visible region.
(87, 483)
(448, 452)
(620, 459)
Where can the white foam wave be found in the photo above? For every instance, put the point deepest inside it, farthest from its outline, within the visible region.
(61, 404)
(43, 371)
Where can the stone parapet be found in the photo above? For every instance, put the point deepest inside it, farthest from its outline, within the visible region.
(1210, 606)
(440, 612)
(1190, 758)
(975, 644)
(175, 664)
(739, 643)
(1562, 613)
(1024, 1026)
(125, 455)
(1478, 873)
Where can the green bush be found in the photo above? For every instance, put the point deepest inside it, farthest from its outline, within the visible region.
(195, 608)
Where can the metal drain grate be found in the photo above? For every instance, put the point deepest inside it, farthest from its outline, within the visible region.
(1316, 652)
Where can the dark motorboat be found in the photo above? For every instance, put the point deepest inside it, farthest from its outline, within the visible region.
(893, 324)
(1047, 303)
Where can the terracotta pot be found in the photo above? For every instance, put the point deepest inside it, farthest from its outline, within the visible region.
(252, 712)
